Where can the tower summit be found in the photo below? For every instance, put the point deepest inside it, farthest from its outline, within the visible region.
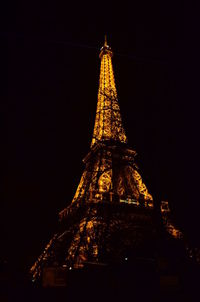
(108, 122)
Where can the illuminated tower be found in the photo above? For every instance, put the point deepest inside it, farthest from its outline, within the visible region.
(110, 164)
(111, 216)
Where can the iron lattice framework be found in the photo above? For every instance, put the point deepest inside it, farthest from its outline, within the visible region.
(110, 165)
(111, 213)
(108, 123)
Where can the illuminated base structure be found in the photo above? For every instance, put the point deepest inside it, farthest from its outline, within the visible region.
(112, 234)
(104, 226)
(112, 243)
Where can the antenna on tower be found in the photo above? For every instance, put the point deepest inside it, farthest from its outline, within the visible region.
(105, 42)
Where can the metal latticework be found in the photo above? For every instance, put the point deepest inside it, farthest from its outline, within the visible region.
(108, 122)
(110, 165)
(111, 169)
(111, 213)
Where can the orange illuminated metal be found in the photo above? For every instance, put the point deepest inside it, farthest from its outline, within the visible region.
(170, 227)
(99, 177)
(108, 122)
(110, 178)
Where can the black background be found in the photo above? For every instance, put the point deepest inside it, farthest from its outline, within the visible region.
(53, 71)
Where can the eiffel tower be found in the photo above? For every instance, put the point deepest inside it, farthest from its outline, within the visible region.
(111, 219)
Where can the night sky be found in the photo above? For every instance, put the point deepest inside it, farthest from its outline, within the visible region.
(53, 72)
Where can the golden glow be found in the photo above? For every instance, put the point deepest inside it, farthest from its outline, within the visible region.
(108, 122)
(127, 182)
(85, 241)
(80, 190)
(171, 229)
(110, 175)
(141, 186)
(36, 269)
(98, 179)
(105, 181)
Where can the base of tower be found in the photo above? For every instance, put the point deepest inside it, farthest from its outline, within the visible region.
(142, 280)
(140, 276)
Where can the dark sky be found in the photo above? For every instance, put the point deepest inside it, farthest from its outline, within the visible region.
(53, 71)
